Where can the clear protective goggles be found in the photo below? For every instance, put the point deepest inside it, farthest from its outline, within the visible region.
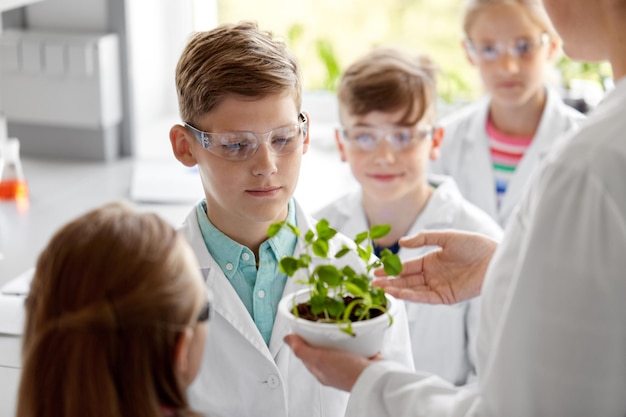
(521, 48)
(240, 146)
(367, 138)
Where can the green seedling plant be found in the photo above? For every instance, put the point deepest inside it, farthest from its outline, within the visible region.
(339, 295)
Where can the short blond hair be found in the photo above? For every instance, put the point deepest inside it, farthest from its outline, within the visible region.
(233, 60)
(534, 8)
(390, 79)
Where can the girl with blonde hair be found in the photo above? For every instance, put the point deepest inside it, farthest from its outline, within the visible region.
(492, 146)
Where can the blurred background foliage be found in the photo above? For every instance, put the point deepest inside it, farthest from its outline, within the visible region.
(327, 35)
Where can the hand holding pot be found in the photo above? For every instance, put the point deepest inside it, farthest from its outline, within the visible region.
(332, 367)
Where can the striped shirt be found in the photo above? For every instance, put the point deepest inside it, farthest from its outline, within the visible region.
(506, 153)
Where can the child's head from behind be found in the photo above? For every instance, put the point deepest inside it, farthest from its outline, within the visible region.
(240, 93)
(387, 108)
(112, 318)
(511, 42)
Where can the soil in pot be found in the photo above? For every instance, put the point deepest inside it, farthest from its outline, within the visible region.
(304, 311)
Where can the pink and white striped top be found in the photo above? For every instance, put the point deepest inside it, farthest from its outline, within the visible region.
(506, 153)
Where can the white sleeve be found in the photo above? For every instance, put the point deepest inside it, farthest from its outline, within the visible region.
(472, 319)
(560, 348)
(385, 389)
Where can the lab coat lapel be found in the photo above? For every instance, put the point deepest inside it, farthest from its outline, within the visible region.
(550, 128)
(480, 178)
(226, 301)
(281, 326)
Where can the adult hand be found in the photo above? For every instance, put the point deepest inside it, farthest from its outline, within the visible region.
(331, 367)
(451, 274)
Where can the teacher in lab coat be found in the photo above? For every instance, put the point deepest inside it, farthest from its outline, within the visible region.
(552, 340)
(492, 146)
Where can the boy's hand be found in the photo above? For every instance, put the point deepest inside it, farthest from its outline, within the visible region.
(452, 274)
(332, 367)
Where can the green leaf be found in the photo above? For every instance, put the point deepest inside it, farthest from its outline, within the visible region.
(294, 229)
(380, 230)
(348, 329)
(288, 265)
(391, 263)
(361, 237)
(320, 248)
(335, 308)
(348, 271)
(274, 229)
(354, 289)
(308, 238)
(362, 282)
(324, 231)
(378, 297)
(364, 253)
(304, 261)
(343, 251)
(329, 274)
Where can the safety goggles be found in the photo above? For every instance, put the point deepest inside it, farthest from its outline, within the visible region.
(205, 312)
(240, 146)
(522, 48)
(367, 138)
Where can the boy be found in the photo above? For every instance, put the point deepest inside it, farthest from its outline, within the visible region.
(387, 110)
(244, 87)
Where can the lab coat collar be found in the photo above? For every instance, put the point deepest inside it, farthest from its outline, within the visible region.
(438, 213)
(542, 142)
(227, 303)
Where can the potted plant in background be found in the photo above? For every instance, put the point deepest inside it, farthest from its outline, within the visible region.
(339, 307)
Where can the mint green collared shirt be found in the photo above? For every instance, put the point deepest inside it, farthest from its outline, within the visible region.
(259, 290)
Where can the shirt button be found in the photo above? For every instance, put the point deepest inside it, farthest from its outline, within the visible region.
(273, 381)
(245, 256)
(261, 294)
(229, 266)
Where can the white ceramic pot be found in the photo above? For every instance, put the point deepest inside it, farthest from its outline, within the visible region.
(369, 334)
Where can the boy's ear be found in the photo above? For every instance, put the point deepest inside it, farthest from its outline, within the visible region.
(179, 139)
(340, 145)
(436, 141)
(181, 353)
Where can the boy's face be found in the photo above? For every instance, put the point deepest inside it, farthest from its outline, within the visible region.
(386, 173)
(244, 196)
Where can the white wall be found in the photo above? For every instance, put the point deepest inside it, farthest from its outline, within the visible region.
(79, 15)
(156, 38)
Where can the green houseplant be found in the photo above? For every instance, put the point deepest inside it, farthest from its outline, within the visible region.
(337, 298)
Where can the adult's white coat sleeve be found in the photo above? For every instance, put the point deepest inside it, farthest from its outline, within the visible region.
(385, 389)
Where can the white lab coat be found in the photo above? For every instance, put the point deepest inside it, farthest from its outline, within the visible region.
(240, 375)
(552, 340)
(443, 337)
(465, 153)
